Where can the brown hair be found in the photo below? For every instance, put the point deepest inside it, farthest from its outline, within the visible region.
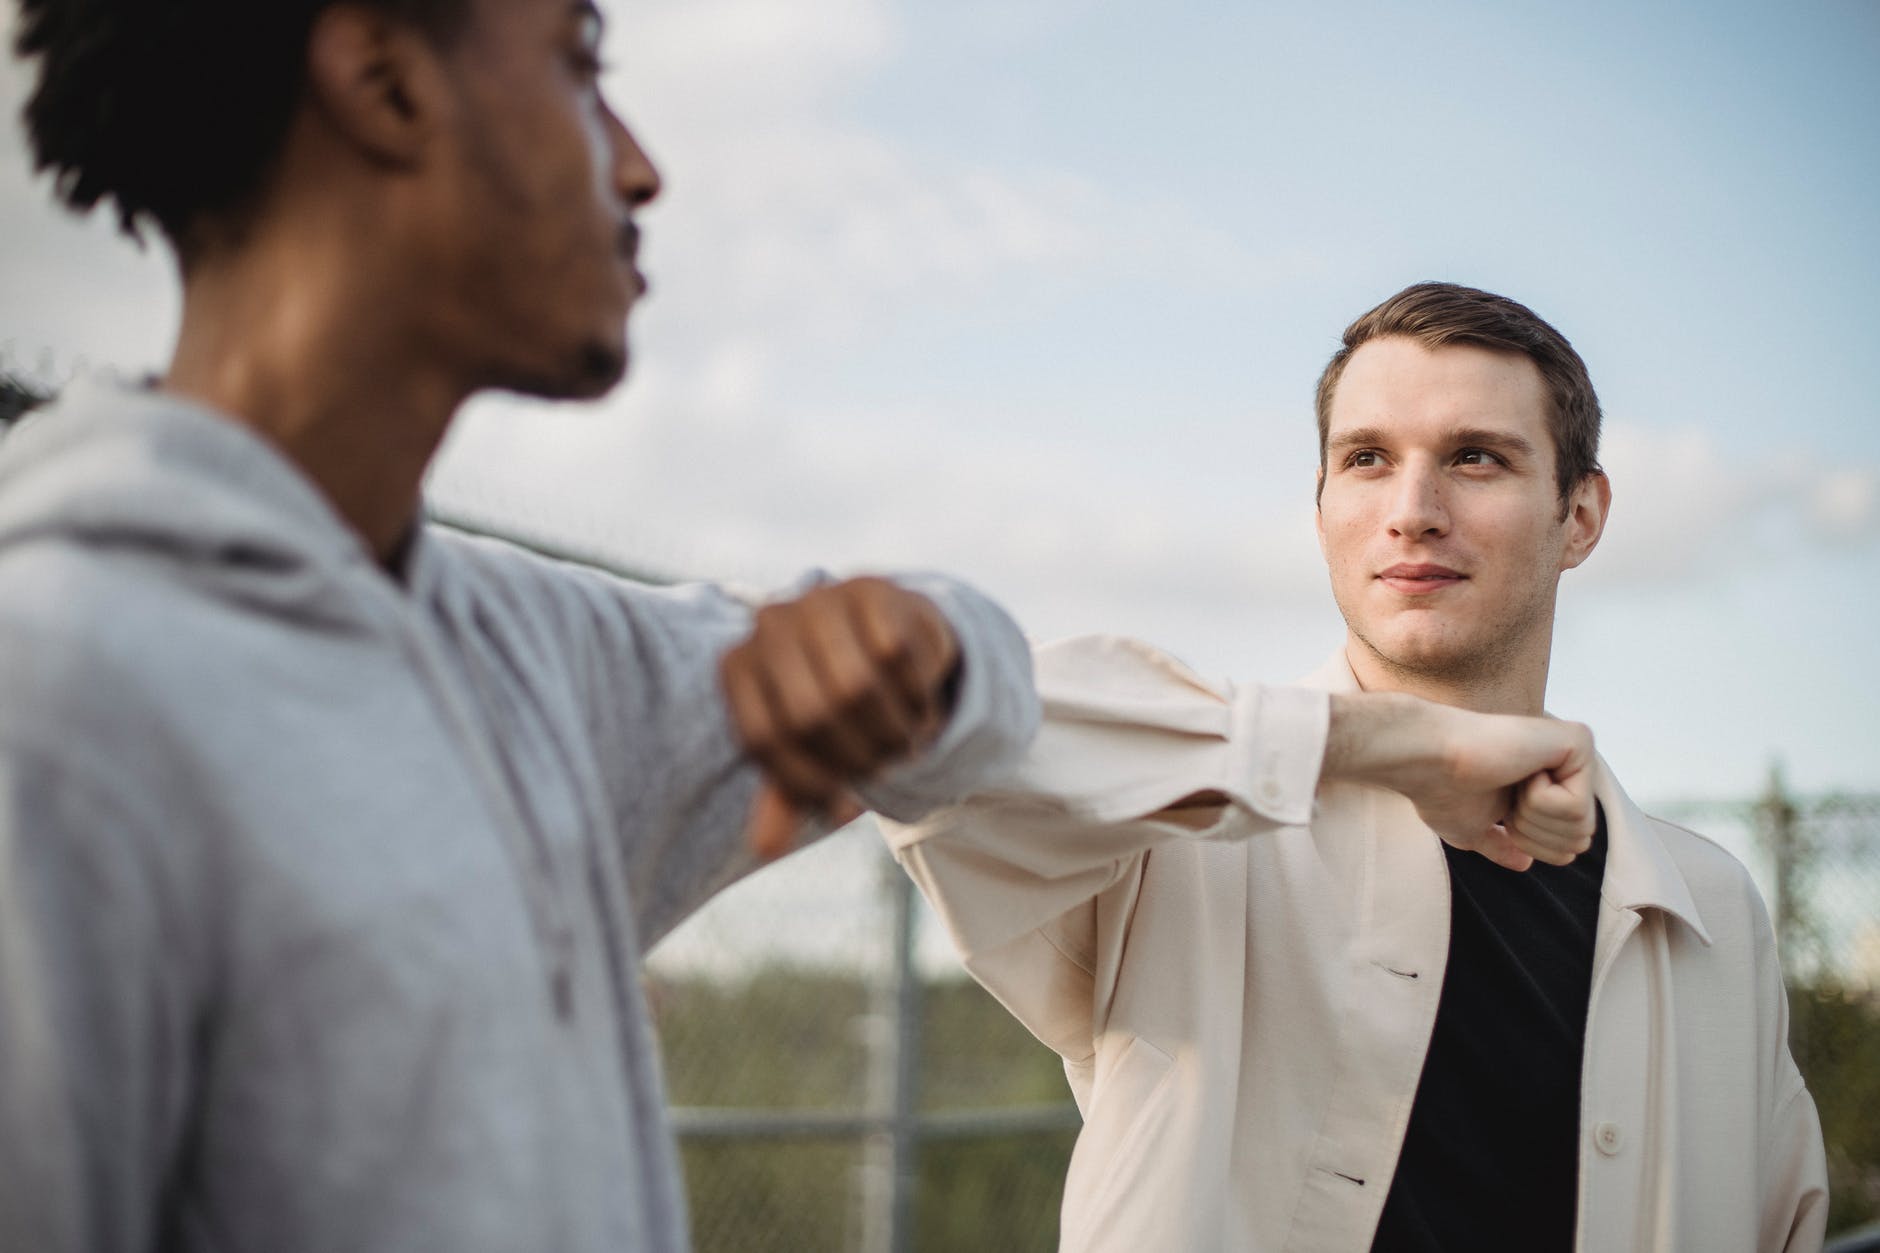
(1438, 314)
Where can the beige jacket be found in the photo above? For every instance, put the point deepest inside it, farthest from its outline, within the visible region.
(1243, 1003)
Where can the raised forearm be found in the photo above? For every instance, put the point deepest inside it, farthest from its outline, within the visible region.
(1514, 789)
(1382, 738)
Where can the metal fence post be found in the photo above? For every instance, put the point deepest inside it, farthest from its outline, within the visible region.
(890, 1163)
(1776, 815)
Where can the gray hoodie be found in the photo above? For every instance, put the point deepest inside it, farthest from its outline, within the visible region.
(322, 897)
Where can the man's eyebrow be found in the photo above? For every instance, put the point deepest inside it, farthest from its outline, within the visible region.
(1484, 437)
(1357, 437)
(1457, 437)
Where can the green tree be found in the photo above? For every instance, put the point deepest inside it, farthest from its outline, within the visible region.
(1835, 1034)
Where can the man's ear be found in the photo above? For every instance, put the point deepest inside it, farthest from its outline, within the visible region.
(1318, 507)
(1587, 507)
(376, 80)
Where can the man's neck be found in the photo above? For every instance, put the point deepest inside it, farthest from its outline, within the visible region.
(1518, 687)
(299, 352)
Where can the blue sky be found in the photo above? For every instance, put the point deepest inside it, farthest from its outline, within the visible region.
(1037, 291)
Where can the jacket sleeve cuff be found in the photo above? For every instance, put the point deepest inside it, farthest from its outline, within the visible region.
(1277, 750)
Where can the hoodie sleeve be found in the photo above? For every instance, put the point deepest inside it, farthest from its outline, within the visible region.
(639, 664)
(93, 1020)
(693, 787)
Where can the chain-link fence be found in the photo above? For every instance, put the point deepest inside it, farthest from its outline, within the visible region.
(840, 1085)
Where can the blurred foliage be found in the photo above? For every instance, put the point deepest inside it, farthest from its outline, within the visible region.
(1835, 1035)
(993, 1193)
(974, 1053)
(781, 1039)
(796, 1039)
(772, 1196)
(986, 1192)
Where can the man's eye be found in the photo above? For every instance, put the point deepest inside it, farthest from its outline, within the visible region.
(587, 44)
(1477, 457)
(1364, 459)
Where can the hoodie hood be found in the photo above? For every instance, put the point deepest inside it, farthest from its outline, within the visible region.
(208, 502)
(109, 466)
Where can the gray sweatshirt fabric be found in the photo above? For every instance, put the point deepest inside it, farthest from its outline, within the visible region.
(322, 896)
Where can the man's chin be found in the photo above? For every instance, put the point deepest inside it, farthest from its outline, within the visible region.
(1421, 654)
(601, 368)
(589, 373)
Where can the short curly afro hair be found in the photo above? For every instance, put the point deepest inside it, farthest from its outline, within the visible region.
(175, 109)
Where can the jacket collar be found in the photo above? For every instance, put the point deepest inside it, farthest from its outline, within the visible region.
(1640, 871)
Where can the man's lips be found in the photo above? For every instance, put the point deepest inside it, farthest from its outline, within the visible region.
(628, 245)
(1419, 579)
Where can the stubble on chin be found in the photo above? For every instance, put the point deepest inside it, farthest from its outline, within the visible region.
(1443, 660)
(1459, 655)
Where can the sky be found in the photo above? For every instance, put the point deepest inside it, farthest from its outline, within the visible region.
(1036, 292)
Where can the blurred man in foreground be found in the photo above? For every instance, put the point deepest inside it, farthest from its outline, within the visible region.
(329, 841)
(1297, 1019)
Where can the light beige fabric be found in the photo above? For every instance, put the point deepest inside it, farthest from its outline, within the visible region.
(1243, 996)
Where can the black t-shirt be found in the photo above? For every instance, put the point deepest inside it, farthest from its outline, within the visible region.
(1491, 1156)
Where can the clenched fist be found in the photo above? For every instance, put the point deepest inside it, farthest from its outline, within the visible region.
(1516, 790)
(831, 688)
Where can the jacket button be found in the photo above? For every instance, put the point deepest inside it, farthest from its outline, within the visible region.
(1608, 1138)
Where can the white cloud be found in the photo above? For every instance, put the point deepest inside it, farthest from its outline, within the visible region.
(1684, 510)
(1845, 504)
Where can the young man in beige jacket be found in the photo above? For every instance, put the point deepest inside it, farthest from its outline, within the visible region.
(1293, 1016)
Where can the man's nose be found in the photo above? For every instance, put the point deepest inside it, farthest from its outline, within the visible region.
(1417, 506)
(636, 180)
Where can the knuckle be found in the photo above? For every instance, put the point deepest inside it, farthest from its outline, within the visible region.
(899, 649)
(854, 687)
(804, 721)
(771, 619)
